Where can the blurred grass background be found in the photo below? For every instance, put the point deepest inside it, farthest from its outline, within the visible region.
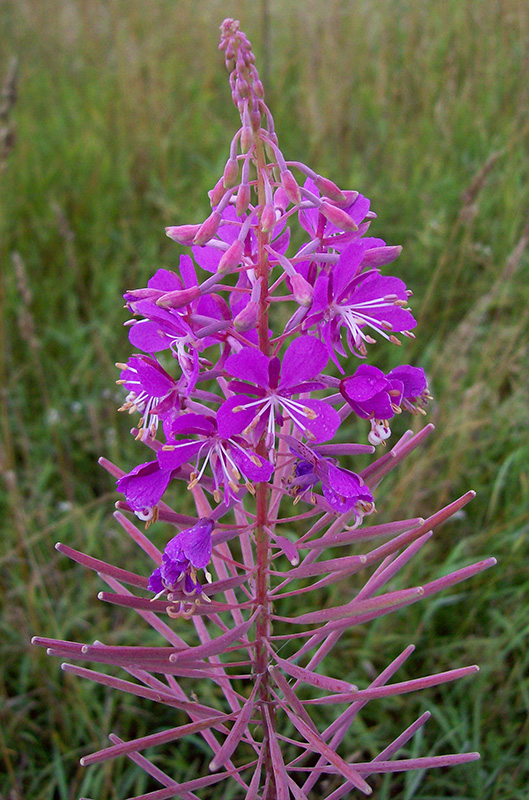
(122, 123)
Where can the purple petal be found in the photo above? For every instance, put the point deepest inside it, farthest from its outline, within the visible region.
(320, 297)
(188, 424)
(326, 423)
(249, 364)
(304, 358)
(173, 567)
(229, 421)
(373, 285)
(207, 257)
(148, 336)
(166, 280)
(274, 368)
(196, 543)
(155, 581)
(154, 379)
(187, 271)
(283, 239)
(248, 468)
(144, 486)
(366, 382)
(413, 378)
(173, 549)
(347, 267)
(359, 208)
(348, 484)
(229, 232)
(172, 459)
(337, 502)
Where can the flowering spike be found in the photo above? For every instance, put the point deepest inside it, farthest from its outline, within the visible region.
(231, 419)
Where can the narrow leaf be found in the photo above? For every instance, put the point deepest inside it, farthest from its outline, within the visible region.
(235, 735)
(327, 752)
(404, 687)
(135, 745)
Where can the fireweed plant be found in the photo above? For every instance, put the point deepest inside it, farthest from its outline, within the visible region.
(244, 417)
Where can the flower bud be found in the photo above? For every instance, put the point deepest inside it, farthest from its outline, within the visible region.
(280, 199)
(231, 258)
(338, 217)
(217, 193)
(183, 234)
(350, 196)
(246, 138)
(268, 218)
(243, 199)
(301, 289)
(379, 256)
(290, 186)
(247, 318)
(208, 229)
(329, 189)
(255, 120)
(242, 87)
(231, 173)
(134, 295)
(178, 298)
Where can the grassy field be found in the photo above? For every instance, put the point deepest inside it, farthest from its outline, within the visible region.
(122, 122)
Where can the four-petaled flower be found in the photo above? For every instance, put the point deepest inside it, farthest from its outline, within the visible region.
(230, 458)
(152, 391)
(275, 383)
(184, 334)
(357, 302)
(378, 397)
(342, 489)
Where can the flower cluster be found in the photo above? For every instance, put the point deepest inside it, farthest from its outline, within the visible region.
(216, 329)
(248, 408)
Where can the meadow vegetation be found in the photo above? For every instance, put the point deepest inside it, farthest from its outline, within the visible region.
(122, 123)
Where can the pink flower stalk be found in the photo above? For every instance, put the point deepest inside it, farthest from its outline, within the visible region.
(244, 415)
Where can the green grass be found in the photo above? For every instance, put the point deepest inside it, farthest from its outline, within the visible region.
(122, 125)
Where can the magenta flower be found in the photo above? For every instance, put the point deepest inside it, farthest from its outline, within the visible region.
(274, 384)
(183, 555)
(342, 489)
(152, 391)
(377, 397)
(167, 329)
(231, 459)
(359, 303)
